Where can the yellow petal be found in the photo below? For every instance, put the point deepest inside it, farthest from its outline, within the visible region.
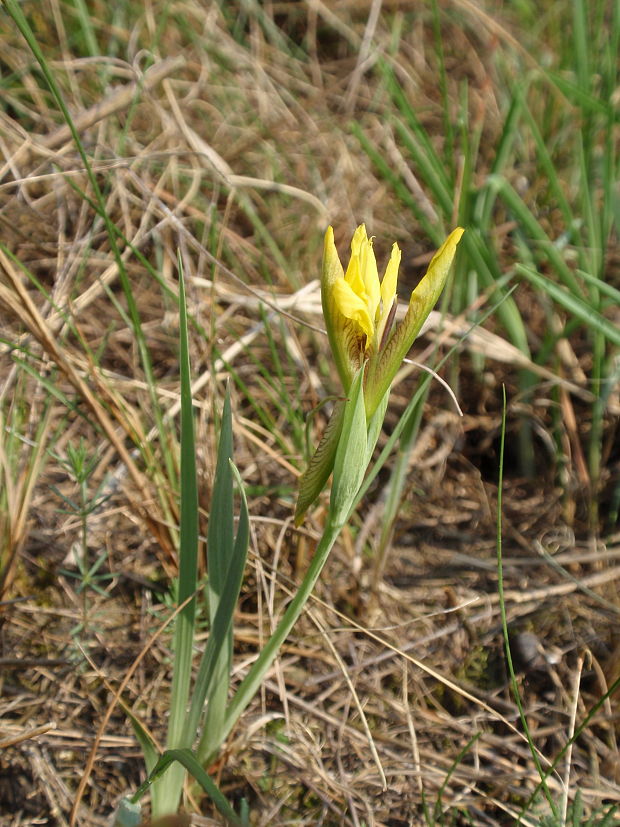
(370, 276)
(362, 272)
(388, 292)
(346, 361)
(388, 285)
(352, 306)
(353, 277)
(359, 238)
(332, 268)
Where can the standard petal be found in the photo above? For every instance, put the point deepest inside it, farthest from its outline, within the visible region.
(359, 238)
(332, 268)
(388, 285)
(370, 276)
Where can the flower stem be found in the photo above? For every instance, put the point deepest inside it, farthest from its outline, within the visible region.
(251, 683)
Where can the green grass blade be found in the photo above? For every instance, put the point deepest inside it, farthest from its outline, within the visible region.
(167, 793)
(429, 168)
(188, 552)
(548, 167)
(393, 179)
(86, 24)
(14, 10)
(448, 129)
(580, 45)
(588, 103)
(437, 809)
(149, 751)
(577, 307)
(417, 139)
(220, 535)
(535, 232)
(50, 384)
(596, 707)
(220, 551)
(218, 635)
(214, 730)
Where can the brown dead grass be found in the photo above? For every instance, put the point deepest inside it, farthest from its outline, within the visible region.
(386, 680)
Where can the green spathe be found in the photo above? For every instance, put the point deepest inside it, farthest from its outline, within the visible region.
(350, 460)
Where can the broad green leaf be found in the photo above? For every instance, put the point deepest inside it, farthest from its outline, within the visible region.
(222, 622)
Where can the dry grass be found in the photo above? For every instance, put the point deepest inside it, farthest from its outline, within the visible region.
(234, 148)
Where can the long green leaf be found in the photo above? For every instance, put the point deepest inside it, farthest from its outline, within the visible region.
(220, 535)
(219, 631)
(166, 794)
(220, 551)
(215, 731)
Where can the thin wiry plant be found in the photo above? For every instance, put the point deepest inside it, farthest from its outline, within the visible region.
(24, 445)
(80, 463)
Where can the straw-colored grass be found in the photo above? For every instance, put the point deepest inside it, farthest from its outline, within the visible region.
(231, 134)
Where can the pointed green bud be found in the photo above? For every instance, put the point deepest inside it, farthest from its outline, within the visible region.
(384, 366)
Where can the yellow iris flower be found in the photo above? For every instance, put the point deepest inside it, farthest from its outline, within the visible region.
(359, 310)
(368, 349)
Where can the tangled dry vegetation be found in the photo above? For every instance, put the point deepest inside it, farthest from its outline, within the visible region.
(233, 150)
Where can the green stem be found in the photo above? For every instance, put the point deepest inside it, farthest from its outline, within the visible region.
(251, 683)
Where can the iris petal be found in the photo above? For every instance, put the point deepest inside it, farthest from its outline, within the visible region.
(352, 306)
(359, 238)
(388, 285)
(370, 275)
(353, 277)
